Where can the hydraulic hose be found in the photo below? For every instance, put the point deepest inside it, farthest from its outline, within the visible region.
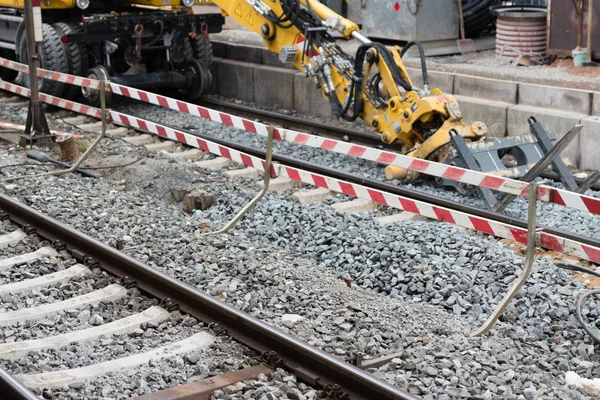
(421, 56)
(581, 300)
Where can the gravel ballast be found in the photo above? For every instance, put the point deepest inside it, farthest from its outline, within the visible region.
(418, 288)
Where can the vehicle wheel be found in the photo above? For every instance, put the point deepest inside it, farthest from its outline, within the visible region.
(203, 51)
(92, 95)
(77, 57)
(202, 79)
(52, 57)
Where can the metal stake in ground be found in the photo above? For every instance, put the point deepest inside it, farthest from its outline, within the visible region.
(36, 119)
(89, 150)
(267, 179)
(531, 245)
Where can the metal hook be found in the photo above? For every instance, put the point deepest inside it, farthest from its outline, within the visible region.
(518, 284)
(252, 203)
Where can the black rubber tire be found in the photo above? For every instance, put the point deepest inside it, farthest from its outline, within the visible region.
(203, 51)
(77, 58)
(188, 51)
(52, 57)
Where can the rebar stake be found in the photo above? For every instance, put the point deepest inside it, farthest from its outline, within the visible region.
(518, 284)
(267, 180)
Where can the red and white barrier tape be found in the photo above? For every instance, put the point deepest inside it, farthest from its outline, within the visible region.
(4, 124)
(501, 184)
(486, 226)
(55, 101)
(471, 177)
(190, 140)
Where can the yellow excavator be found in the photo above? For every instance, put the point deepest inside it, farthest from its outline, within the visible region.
(140, 43)
(373, 85)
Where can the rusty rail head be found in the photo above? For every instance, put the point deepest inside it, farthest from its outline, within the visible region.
(202, 389)
(309, 364)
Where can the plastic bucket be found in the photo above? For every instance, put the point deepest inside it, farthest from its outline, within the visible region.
(579, 57)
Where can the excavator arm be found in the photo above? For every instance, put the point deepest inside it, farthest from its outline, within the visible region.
(373, 85)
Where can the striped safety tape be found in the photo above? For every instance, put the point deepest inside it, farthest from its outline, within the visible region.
(470, 177)
(465, 220)
(55, 101)
(191, 140)
(10, 125)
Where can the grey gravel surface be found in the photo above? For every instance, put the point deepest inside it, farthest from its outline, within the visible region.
(28, 244)
(279, 385)
(51, 294)
(43, 266)
(418, 288)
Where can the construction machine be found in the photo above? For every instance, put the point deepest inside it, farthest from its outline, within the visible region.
(372, 85)
(140, 44)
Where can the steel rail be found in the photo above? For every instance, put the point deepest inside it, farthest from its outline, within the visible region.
(13, 389)
(292, 122)
(309, 364)
(332, 131)
(394, 189)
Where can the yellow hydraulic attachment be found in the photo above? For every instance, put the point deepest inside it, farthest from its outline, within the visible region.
(373, 85)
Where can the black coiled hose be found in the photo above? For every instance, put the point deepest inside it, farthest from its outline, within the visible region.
(358, 78)
(421, 56)
(581, 300)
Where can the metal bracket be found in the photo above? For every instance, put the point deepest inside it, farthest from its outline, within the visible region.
(272, 359)
(581, 189)
(558, 164)
(534, 153)
(549, 158)
(267, 180)
(459, 144)
(518, 284)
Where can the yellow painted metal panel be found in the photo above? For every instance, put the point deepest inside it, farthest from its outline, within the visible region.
(53, 4)
(155, 3)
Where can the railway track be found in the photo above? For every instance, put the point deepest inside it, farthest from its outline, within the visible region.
(43, 261)
(170, 147)
(326, 130)
(155, 144)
